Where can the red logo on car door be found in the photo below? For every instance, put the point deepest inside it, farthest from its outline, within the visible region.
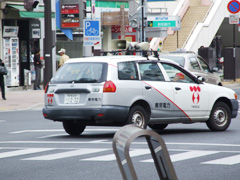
(195, 96)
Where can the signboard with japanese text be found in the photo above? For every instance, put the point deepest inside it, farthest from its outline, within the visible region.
(92, 33)
(70, 13)
(163, 21)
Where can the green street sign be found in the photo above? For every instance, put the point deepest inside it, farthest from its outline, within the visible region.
(161, 23)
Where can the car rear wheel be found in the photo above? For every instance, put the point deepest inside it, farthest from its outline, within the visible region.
(220, 118)
(138, 116)
(73, 128)
(158, 127)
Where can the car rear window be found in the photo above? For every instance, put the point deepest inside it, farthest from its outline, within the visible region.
(84, 72)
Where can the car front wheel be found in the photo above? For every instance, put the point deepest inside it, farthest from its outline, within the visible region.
(73, 128)
(220, 117)
(138, 116)
(158, 127)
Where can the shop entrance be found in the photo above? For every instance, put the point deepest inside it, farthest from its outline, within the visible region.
(27, 40)
(29, 35)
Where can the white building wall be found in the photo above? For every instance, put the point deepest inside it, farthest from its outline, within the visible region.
(205, 32)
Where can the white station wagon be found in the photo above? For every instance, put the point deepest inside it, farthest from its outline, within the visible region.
(146, 91)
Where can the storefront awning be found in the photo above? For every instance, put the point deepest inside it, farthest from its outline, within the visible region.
(38, 13)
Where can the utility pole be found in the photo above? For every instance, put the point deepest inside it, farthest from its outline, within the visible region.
(48, 42)
(143, 17)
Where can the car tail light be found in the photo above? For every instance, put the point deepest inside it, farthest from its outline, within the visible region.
(109, 86)
(46, 88)
(235, 96)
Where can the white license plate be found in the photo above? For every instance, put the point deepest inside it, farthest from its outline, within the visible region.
(72, 98)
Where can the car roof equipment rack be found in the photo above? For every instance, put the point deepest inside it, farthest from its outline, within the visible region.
(145, 53)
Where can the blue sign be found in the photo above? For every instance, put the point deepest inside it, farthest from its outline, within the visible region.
(233, 7)
(92, 33)
(91, 28)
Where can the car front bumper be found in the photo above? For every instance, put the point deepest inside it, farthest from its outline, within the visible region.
(235, 107)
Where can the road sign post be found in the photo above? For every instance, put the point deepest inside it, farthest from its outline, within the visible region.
(234, 8)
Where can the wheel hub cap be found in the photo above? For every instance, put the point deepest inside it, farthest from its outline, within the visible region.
(137, 119)
(220, 117)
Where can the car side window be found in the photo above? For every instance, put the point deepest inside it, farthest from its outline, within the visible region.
(150, 72)
(176, 75)
(204, 65)
(194, 63)
(127, 71)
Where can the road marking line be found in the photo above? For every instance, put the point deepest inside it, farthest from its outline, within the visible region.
(110, 142)
(112, 157)
(54, 135)
(58, 130)
(23, 152)
(225, 161)
(66, 154)
(187, 155)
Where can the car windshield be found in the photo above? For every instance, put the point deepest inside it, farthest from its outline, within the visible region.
(177, 59)
(85, 72)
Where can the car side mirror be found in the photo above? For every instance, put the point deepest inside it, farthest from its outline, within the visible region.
(200, 79)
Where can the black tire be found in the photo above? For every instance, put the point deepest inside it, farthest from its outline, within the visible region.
(138, 116)
(158, 127)
(73, 128)
(220, 117)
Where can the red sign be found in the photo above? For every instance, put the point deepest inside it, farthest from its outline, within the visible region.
(70, 6)
(116, 29)
(70, 11)
(70, 16)
(233, 6)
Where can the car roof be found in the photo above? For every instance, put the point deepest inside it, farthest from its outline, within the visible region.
(115, 59)
(183, 54)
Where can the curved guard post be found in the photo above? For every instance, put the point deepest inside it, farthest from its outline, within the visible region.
(121, 144)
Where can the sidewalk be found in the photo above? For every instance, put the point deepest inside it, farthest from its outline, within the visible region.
(20, 99)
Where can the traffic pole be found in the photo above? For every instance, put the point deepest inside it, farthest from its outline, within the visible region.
(48, 42)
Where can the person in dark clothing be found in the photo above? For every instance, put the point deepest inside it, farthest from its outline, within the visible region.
(2, 85)
(37, 66)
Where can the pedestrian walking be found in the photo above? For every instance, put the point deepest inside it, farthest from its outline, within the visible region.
(2, 85)
(37, 66)
(63, 58)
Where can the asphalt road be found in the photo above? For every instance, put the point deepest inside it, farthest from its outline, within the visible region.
(38, 149)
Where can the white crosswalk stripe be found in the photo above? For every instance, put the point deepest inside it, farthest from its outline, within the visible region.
(67, 154)
(187, 155)
(225, 161)
(111, 157)
(73, 152)
(23, 152)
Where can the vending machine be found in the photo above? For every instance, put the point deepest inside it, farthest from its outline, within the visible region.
(11, 55)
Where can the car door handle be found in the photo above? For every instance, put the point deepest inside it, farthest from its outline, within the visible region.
(148, 87)
(177, 88)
